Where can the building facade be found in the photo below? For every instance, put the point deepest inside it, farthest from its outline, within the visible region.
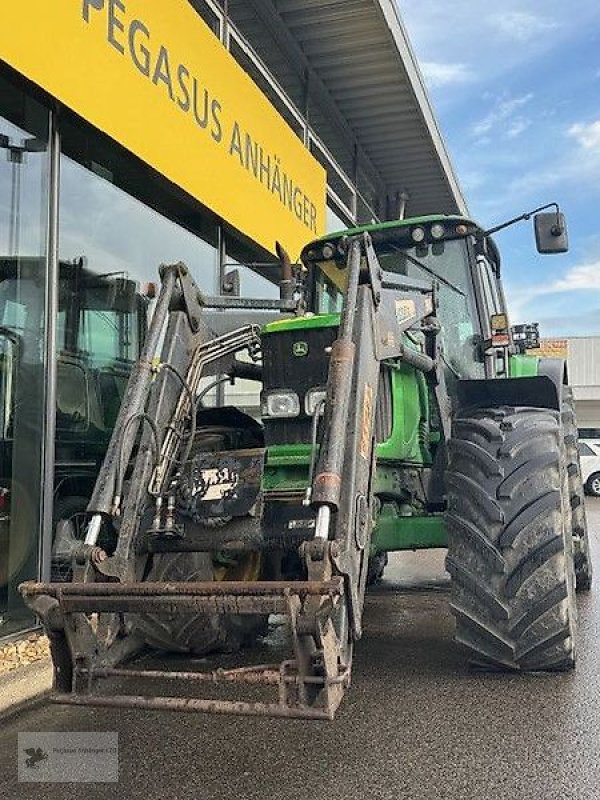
(582, 354)
(134, 133)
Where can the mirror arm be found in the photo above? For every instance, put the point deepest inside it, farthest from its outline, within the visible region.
(522, 218)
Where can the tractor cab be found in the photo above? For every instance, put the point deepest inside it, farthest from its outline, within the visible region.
(444, 253)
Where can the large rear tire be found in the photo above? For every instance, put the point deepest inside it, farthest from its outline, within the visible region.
(579, 527)
(198, 633)
(509, 540)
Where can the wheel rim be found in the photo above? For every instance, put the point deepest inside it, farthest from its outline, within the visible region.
(595, 485)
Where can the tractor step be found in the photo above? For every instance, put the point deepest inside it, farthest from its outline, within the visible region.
(308, 685)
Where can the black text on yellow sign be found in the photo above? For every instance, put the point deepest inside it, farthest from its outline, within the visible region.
(154, 77)
(132, 37)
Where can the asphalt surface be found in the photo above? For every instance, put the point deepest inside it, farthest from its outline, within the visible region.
(416, 723)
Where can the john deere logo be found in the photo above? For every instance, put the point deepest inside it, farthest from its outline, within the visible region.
(300, 349)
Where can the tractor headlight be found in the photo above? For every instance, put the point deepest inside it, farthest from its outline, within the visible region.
(281, 404)
(314, 398)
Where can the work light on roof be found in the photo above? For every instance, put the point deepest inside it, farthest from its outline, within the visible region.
(328, 251)
(437, 231)
(418, 234)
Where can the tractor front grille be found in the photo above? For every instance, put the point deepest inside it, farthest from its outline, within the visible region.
(299, 373)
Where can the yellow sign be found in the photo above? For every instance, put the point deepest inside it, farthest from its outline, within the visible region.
(152, 75)
(551, 348)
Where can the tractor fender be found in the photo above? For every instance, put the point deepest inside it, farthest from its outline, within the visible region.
(556, 370)
(543, 390)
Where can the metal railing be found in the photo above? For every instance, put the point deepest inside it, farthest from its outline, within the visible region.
(349, 211)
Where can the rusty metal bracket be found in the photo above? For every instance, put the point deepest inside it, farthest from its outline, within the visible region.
(83, 620)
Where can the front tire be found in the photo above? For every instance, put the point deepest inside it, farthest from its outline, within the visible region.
(195, 632)
(509, 540)
(377, 564)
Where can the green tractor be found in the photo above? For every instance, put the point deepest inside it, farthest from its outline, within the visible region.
(397, 413)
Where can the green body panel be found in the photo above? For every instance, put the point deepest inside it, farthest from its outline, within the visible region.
(409, 398)
(286, 468)
(523, 366)
(410, 416)
(394, 532)
(308, 322)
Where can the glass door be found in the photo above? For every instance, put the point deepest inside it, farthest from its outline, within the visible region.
(23, 265)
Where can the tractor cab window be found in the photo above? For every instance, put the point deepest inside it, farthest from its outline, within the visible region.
(328, 295)
(447, 261)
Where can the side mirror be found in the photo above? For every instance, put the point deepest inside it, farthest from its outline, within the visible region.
(551, 233)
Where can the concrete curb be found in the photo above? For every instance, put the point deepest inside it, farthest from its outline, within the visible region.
(25, 687)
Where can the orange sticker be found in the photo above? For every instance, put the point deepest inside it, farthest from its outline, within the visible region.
(367, 415)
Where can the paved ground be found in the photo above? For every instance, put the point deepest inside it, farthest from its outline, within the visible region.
(415, 724)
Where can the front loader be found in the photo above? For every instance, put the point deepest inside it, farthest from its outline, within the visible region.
(396, 413)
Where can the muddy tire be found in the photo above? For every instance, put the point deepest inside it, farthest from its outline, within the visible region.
(195, 633)
(579, 527)
(377, 564)
(72, 509)
(509, 540)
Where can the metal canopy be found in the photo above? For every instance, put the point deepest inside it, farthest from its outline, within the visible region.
(353, 62)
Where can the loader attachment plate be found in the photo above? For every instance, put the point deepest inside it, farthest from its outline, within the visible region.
(309, 685)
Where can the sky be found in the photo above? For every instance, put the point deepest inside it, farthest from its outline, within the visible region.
(516, 91)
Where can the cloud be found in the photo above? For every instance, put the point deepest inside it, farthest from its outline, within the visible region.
(570, 167)
(581, 277)
(438, 74)
(521, 25)
(586, 134)
(587, 324)
(517, 127)
(505, 111)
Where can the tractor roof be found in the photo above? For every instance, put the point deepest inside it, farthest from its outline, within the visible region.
(382, 232)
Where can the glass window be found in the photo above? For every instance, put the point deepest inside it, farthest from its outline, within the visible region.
(258, 279)
(328, 296)
(119, 236)
(491, 296)
(111, 246)
(449, 261)
(334, 221)
(23, 214)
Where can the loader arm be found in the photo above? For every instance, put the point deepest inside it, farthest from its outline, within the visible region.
(92, 621)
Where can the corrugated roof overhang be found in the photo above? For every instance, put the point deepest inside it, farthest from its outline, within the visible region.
(366, 95)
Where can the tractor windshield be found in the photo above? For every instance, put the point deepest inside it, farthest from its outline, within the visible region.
(448, 261)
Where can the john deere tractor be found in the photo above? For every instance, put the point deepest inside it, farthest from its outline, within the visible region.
(397, 413)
